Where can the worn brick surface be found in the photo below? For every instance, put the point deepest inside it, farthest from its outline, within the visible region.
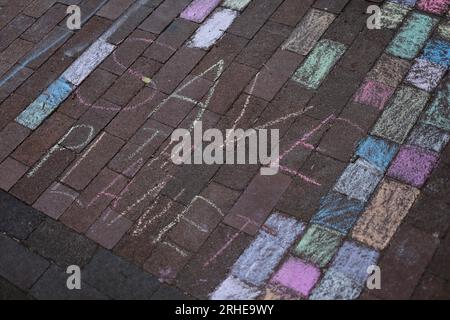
(364, 152)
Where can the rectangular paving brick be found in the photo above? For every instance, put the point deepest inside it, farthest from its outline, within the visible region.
(211, 265)
(53, 286)
(346, 277)
(65, 247)
(434, 6)
(291, 11)
(428, 137)
(43, 138)
(170, 40)
(359, 180)
(236, 4)
(412, 36)
(272, 78)
(377, 151)
(413, 165)
(11, 171)
(393, 14)
(437, 112)
(401, 114)
(425, 75)
(198, 10)
(10, 137)
(17, 219)
(337, 212)
(437, 52)
(319, 63)
(94, 200)
(55, 200)
(88, 164)
(389, 70)
(177, 68)
(118, 278)
(318, 245)
(259, 260)
(109, 229)
(113, 9)
(18, 264)
(234, 289)
(256, 203)
(213, 29)
(309, 31)
(163, 15)
(410, 249)
(386, 211)
(296, 275)
(374, 94)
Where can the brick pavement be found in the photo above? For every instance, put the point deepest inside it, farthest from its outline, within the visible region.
(85, 123)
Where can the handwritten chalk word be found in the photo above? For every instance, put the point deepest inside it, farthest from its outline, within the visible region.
(213, 153)
(74, 20)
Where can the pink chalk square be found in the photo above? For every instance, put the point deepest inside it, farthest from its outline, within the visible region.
(434, 6)
(374, 94)
(56, 200)
(10, 172)
(413, 165)
(198, 10)
(297, 275)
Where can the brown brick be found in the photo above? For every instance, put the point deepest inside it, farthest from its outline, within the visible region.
(291, 11)
(11, 108)
(11, 171)
(163, 15)
(55, 200)
(10, 137)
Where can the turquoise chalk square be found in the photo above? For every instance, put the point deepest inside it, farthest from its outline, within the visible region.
(438, 52)
(338, 212)
(45, 104)
(378, 152)
(438, 113)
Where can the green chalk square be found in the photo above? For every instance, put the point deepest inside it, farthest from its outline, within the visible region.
(412, 36)
(319, 63)
(392, 14)
(318, 245)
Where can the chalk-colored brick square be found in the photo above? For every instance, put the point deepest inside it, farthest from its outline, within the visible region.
(338, 212)
(359, 180)
(389, 70)
(401, 114)
(336, 286)
(259, 260)
(297, 276)
(413, 165)
(444, 30)
(393, 14)
(438, 113)
(236, 4)
(318, 245)
(412, 36)
(386, 211)
(378, 152)
(429, 137)
(434, 6)
(319, 63)
(409, 3)
(234, 289)
(374, 94)
(437, 52)
(425, 75)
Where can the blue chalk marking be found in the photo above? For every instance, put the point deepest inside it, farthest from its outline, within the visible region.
(37, 54)
(377, 152)
(438, 52)
(338, 212)
(45, 104)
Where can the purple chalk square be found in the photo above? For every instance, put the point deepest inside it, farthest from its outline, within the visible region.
(425, 75)
(434, 6)
(374, 94)
(198, 10)
(297, 275)
(413, 165)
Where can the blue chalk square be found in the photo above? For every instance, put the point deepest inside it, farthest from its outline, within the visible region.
(45, 104)
(377, 152)
(338, 212)
(437, 52)
(409, 3)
